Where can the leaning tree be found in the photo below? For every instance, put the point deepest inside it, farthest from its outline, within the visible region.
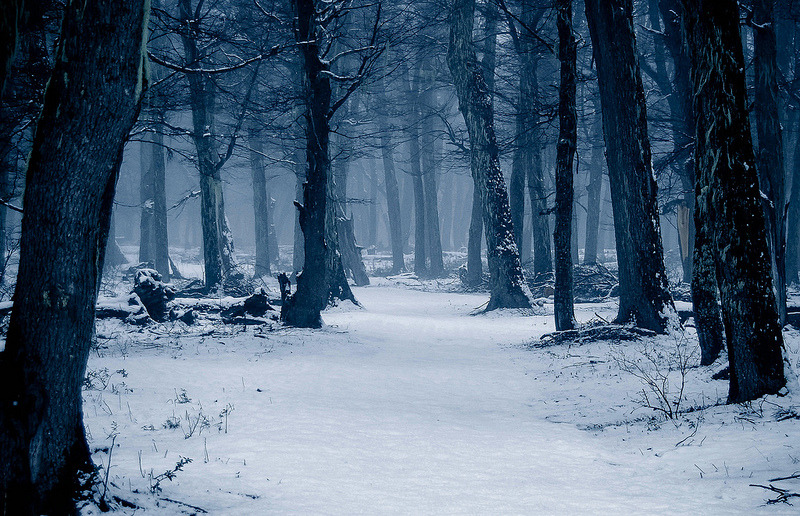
(644, 295)
(728, 199)
(507, 286)
(91, 103)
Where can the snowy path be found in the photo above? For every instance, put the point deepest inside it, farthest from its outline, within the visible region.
(411, 406)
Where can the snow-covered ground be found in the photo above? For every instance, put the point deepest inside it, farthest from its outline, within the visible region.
(413, 405)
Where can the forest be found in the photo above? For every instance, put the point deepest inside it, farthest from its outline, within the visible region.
(399, 257)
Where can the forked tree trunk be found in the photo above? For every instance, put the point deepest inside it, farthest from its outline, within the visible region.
(475, 103)
(644, 295)
(91, 103)
(770, 142)
(729, 200)
(475, 234)
(565, 156)
(304, 306)
(322, 277)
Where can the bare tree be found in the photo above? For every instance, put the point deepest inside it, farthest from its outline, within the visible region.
(322, 277)
(91, 103)
(507, 288)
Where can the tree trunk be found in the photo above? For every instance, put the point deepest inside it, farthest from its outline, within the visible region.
(770, 142)
(372, 222)
(428, 162)
(91, 103)
(217, 244)
(516, 187)
(146, 201)
(793, 223)
(475, 103)
(644, 295)
(565, 156)
(392, 190)
(729, 200)
(474, 264)
(160, 231)
(594, 191)
(420, 247)
(532, 142)
(695, 240)
(322, 277)
(260, 204)
(304, 306)
(298, 254)
(705, 298)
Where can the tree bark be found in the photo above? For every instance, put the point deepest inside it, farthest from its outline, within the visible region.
(644, 295)
(565, 156)
(91, 103)
(705, 297)
(770, 142)
(729, 200)
(507, 286)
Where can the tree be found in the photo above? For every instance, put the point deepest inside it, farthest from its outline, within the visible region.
(91, 103)
(565, 155)
(322, 277)
(644, 296)
(217, 241)
(770, 142)
(507, 287)
(154, 237)
(390, 182)
(261, 207)
(528, 152)
(729, 201)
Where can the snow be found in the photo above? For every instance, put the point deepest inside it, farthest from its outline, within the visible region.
(411, 405)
